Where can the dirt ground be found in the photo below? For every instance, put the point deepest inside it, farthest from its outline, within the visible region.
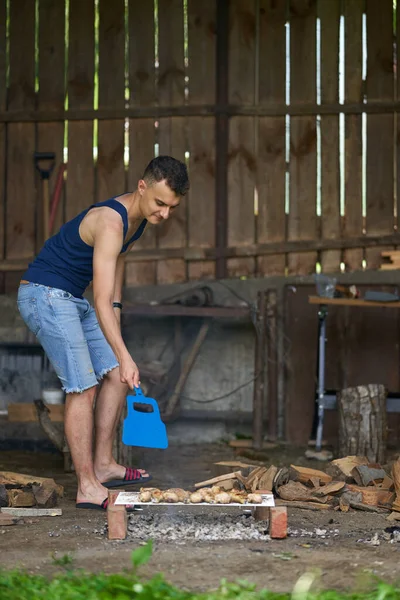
(334, 545)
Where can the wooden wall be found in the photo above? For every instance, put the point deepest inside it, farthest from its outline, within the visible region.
(277, 184)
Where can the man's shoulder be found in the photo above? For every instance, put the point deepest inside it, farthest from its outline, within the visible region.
(109, 219)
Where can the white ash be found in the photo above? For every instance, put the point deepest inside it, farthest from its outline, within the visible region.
(199, 527)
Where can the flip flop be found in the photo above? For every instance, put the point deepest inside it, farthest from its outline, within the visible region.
(132, 476)
(102, 506)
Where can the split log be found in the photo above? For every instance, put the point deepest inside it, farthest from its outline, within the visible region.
(304, 474)
(21, 498)
(368, 508)
(394, 516)
(343, 467)
(282, 477)
(266, 481)
(216, 480)
(3, 496)
(303, 505)
(365, 475)
(15, 480)
(329, 488)
(387, 483)
(45, 495)
(344, 504)
(373, 496)
(396, 482)
(227, 466)
(294, 490)
(362, 421)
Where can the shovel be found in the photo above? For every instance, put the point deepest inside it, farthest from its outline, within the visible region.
(141, 428)
(44, 163)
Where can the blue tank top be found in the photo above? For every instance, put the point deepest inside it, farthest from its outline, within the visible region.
(66, 261)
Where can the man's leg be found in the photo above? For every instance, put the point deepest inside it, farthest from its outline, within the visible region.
(109, 405)
(78, 426)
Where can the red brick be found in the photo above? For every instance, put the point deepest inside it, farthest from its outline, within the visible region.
(278, 522)
(117, 518)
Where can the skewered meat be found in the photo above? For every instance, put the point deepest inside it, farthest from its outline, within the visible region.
(145, 496)
(157, 495)
(222, 498)
(238, 498)
(254, 498)
(195, 498)
(183, 495)
(169, 496)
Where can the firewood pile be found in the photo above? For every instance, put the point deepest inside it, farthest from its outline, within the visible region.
(26, 491)
(350, 483)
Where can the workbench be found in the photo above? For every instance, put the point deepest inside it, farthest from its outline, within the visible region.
(324, 400)
(256, 314)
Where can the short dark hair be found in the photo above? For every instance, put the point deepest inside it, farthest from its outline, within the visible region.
(172, 170)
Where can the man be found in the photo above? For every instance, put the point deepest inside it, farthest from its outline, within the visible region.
(84, 344)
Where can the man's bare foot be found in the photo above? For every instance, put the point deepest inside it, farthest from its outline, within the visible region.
(114, 471)
(91, 492)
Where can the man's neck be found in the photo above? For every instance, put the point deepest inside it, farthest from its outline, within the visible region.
(133, 207)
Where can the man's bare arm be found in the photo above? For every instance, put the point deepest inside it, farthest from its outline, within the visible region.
(119, 282)
(107, 246)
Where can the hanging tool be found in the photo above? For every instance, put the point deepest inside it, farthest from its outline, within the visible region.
(141, 428)
(44, 163)
(55, 200)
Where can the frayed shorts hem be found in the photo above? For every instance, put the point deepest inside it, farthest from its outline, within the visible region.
(99, 377)
(78, 390)
(104, 372)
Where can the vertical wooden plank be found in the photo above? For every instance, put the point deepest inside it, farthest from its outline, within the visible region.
(142, 92)
(302, 220)
(375, 330)
(201, 134)
(380, 87)
(3, 79)
(110, 162)
(329, 15)
(396, 117)
(201, 215)
(20, 210)
(172, 134)
(301, 335)
(50, 136)
(271, 159)
(80, 177)
(201, 51)
(353, 219)
(242, 164)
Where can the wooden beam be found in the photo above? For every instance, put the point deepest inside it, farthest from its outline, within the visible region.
(193, 254)
(77, 114)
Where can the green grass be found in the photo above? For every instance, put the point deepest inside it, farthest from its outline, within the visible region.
(76, 585)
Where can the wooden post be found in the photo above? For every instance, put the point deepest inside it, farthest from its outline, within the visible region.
(261, 513)
(259, 365)
(272, 357)
(362, 427)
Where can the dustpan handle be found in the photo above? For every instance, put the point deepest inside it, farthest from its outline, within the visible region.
(141, 398)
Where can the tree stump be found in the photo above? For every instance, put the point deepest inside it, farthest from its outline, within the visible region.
(362, 422)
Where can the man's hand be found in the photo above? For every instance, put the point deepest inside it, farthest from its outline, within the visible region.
(129, 372)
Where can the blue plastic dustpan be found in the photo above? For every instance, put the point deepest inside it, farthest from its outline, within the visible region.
(143, 429)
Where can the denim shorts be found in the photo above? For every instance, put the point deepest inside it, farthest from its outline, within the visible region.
(68, 330)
